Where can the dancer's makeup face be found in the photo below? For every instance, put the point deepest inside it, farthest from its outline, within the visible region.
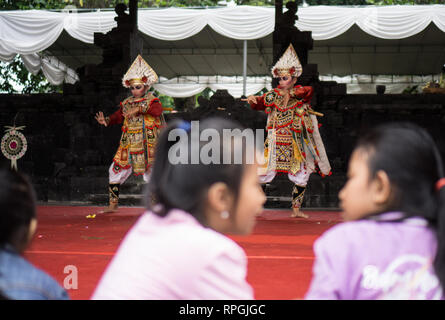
(287, 82)
(138, 90)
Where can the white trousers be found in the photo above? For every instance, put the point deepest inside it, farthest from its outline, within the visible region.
(300, 179)
(123, 174)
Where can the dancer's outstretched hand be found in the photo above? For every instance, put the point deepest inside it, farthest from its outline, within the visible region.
(101, 119)
(251, 99)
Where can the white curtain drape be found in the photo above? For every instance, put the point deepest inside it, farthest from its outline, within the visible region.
(188, 86)
(28, 32)
(54, 70)
(82, 26)
(386, 22)
(356, 84)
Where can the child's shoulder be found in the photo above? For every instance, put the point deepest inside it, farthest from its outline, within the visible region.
(351, 231)
(351, 227)
(183, 228)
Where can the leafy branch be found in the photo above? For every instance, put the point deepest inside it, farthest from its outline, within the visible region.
(15, 78)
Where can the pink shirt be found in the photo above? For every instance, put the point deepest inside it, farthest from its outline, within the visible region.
(175, 257)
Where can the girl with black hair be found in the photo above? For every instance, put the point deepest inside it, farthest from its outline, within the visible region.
(177, 249)
(19, 279)
(393, 245)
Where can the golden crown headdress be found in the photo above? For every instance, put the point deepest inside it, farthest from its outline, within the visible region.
(139, 72)
(288, 64)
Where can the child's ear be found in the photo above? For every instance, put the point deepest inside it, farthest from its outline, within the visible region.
(382, 188)
(32, 229)
(218, 197)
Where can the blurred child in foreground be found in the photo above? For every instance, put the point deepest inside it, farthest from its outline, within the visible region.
(20, 280)
(177, 249)
(393, 245)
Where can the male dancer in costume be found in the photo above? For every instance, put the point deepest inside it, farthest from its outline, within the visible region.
(293, 143)
(141, 118)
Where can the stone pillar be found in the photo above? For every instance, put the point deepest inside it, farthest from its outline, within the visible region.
(120, 47)
(286, 33)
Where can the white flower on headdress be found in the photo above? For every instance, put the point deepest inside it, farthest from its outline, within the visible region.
(139, 72)
(288, 64)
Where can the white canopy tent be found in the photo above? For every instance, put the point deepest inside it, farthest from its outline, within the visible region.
(196, 48)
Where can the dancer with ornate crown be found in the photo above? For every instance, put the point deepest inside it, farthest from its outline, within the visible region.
(141, 118)
(293, 143)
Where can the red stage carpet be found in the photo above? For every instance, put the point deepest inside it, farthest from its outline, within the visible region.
(279, 250)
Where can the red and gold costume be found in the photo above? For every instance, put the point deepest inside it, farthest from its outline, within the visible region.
(139, 133)
(293, 128)
(141, 118)
(293, 145)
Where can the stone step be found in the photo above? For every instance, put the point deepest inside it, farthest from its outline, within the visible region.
(124, 199)
(137, 200)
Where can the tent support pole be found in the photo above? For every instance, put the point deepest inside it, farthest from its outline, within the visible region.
(244, 67)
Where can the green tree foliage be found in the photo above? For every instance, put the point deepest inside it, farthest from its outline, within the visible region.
(394, 2)
(336, 2)
(88, 4)
(31, 4)
(15, 78)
